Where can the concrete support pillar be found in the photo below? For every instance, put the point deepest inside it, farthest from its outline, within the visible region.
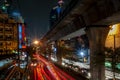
(97, 37)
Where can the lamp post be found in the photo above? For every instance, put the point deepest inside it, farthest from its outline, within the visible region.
(113, 32)
(113, 58)
(36, 43)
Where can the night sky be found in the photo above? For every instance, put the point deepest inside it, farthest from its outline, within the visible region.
(36, 16)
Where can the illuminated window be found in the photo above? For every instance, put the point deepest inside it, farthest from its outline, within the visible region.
(1, 44)
(1, 36)
(9, 43)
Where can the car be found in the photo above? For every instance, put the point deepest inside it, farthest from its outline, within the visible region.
(34, 62)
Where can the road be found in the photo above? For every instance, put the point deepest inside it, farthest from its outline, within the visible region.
(43, 69)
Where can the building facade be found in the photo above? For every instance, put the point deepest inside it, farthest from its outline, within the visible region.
(8, 38)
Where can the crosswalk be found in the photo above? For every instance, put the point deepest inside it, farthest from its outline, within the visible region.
(109, 74)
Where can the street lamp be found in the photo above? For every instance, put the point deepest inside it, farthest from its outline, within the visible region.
(36, 42)
(113, 32)
(82, 54)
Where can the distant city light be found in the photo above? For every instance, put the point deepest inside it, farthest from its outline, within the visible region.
(55, 49)
(16, 14)
(108, 64)
(3, 7)
(63, 63)
(118, 66)
(20, 36)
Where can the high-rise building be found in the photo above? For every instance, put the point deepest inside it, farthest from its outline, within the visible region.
(8, 37)
(55, 13)
(12, 28)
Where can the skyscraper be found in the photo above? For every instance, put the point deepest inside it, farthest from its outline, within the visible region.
(56, 12)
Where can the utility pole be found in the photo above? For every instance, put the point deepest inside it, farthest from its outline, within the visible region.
(114, 58)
